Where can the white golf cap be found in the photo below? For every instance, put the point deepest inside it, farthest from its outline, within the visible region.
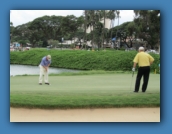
(141, 48)
(49, 56)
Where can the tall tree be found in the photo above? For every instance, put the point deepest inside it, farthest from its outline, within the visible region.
(49, 26)
(118, 16)
(92, 19)
(148, 23)
(111, 15)
(85, 27)
(11, 31)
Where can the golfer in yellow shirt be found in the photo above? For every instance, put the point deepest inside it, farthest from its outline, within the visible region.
(144, 60)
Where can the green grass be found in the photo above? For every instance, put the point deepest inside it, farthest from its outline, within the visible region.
(83, 91)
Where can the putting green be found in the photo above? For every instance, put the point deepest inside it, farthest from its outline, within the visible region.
(100, 89)
(109, 82)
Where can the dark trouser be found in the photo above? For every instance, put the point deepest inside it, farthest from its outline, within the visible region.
(142, 71)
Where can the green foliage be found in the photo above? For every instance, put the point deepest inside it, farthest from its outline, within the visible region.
(47, 27)
(53, 43)
(45, 43)
(82, 60)
(148, 23)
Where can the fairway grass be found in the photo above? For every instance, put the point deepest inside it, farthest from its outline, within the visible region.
(83, 91)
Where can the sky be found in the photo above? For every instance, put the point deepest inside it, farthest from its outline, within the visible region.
(19, 17)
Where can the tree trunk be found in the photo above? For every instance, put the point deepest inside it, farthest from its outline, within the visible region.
(103, 31)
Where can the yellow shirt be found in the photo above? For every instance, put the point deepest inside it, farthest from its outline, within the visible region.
(143, 59)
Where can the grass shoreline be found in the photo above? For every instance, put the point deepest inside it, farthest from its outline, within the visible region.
(90, 72)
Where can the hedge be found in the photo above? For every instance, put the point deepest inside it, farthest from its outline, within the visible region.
(81, 59)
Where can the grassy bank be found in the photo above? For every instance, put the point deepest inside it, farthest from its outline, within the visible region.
(83, 91)
(80, 59)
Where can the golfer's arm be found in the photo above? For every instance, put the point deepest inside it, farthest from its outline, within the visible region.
(151, 60)
(151, 63)
(134, 65)
(45, 67)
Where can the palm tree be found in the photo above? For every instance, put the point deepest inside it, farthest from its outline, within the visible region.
(118, 12)
(92, 19)
(137, 12)
(11, 24)
(103, 14)
(112, 15)
(11, 30)
(104, 18)
(85, 26)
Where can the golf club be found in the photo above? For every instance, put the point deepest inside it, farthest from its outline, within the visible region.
(131, 80)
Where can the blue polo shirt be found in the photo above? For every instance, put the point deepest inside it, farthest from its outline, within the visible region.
(45, 62)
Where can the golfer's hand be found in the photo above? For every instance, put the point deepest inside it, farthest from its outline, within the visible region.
(46, 69)
(133, 69)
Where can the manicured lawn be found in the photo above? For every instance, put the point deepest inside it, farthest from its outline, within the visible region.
(83, 91)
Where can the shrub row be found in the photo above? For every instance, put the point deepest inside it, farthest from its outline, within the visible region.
(82, 60)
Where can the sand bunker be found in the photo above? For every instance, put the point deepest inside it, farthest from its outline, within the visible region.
(86, 115)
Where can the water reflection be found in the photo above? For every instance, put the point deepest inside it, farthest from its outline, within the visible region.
(32, 70)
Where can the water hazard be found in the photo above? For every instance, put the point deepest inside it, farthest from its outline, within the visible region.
(34, 70)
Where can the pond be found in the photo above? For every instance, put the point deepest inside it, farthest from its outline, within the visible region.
(34, 70)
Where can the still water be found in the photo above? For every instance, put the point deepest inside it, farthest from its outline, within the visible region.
(32, 70)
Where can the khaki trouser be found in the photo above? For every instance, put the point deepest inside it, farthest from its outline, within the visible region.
(43, 72)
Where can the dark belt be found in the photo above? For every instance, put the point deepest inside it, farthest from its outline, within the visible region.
(143, 66)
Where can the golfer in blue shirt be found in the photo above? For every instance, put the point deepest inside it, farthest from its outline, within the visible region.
(44, 65)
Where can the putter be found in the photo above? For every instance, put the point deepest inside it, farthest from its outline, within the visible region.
(131, 80)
